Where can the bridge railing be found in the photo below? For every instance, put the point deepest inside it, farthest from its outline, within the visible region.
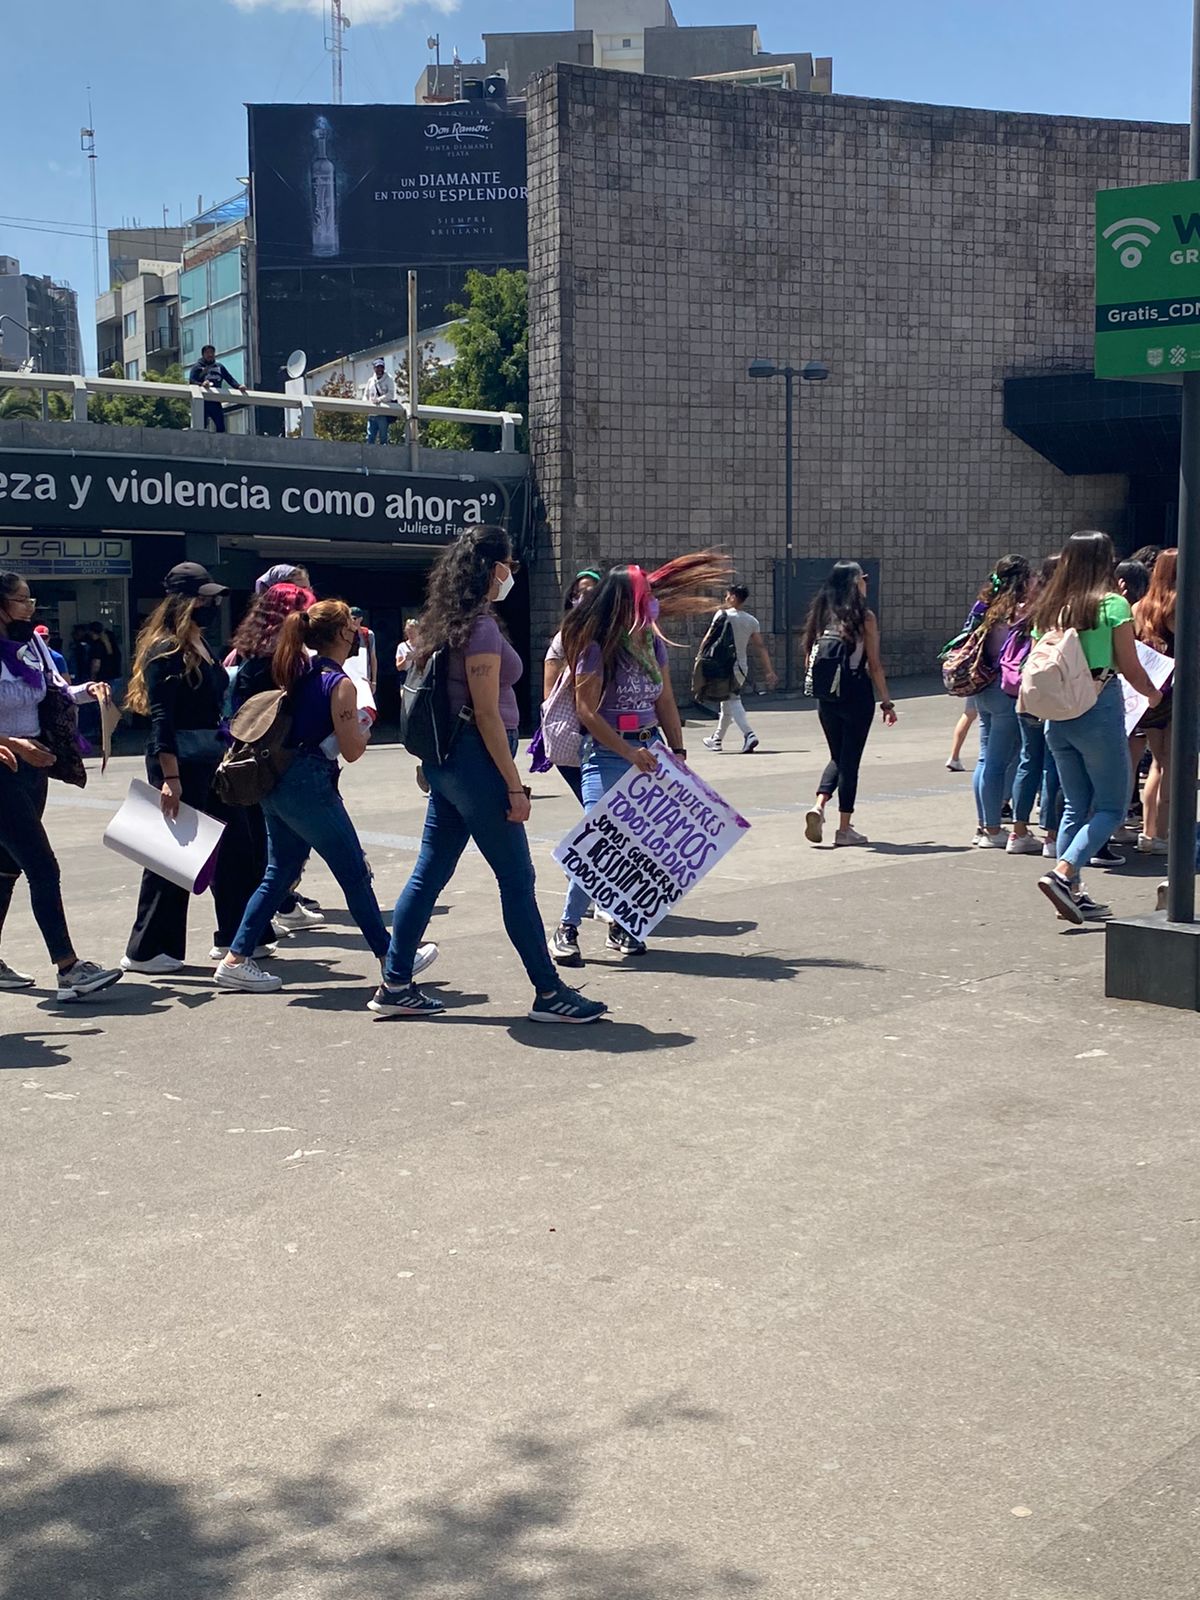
(80, 389)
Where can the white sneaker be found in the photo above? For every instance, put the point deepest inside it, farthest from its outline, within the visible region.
(247, 976)
(85, 978)
(1147, 846)
(426, 955)
(846, 836)
(1023, 844)
(814, 824)
(1050, 849)
(301, 917)
(711, 742)
(750, 744)
(156, 967)
(10, 978)
(220, 951)
(991, 841)
(955, 765)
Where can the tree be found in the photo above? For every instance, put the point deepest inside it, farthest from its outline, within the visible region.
(20, 405)
(491, 369)
(347, 427)
(132, 410)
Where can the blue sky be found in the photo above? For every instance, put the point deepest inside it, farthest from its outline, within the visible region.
(169, 78)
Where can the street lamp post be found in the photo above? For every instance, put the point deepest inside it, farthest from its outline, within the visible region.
(810, 372)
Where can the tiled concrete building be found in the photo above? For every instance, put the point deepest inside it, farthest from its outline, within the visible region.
(928, 254)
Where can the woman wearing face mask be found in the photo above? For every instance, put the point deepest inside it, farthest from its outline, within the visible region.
(555, 665)
(477, 793)
(181, 688)
(27, 676)
(304, 811)
(624, 697)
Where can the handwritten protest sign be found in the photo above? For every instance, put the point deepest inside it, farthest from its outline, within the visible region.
(651, 839)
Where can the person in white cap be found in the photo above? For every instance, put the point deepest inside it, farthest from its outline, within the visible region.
(379, 391)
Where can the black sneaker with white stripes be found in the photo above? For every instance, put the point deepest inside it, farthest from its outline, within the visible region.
(407, 1002)
(623, 943)
(564, 945)
(565, 1005)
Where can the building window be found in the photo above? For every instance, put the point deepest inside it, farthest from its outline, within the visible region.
(193, 334)
(235, 361)
(227, 325)
(133, 370)
(626, 44)
(131, 324)
(193, 289)
(225, 275)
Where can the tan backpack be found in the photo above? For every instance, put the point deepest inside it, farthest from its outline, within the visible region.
(1056, 681)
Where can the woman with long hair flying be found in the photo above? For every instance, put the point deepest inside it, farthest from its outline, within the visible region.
(840, 615)
(1091, 751)
(476, 794)
(178, 684)
(617, 654)
(304, 811)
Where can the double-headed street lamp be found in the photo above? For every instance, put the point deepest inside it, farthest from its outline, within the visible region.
(810, 372)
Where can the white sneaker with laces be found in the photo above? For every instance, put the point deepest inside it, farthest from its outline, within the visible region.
(1050, 849)
(848, 836)
(954, 765)
(1023, 844)
(991, 841)
(246, 975)
(426, 955)
(155, 967)
(301, 917)
(220, 951)
(711, 742)
(10, 978)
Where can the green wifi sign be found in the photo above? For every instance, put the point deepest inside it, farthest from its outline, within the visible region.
(1148, 280)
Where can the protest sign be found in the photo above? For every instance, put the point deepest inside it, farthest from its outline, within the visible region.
(651, 839)
(1158, 669)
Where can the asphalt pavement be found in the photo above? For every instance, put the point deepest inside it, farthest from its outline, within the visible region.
(853, 1257)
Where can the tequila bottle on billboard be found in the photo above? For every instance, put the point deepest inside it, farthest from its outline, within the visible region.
(323, 179)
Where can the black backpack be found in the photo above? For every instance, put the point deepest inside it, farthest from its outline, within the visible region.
(827, 676)
(257, 759)
(718, 658)
(428, 728)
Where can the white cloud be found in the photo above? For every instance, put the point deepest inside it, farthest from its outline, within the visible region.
(358, 11)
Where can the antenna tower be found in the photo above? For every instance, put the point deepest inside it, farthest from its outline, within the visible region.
(87, 143)
(336, 23)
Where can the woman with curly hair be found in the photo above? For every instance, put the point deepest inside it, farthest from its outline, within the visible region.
(617, 655)
(476, 794)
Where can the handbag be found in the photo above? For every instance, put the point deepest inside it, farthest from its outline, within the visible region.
(59, 723)
(560, 724)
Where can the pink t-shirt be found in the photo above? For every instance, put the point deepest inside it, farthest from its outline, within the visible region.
(486, 640)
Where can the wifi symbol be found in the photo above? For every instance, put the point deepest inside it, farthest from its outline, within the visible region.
(1130, 245)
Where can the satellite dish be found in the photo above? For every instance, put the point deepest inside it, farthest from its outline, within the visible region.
(297, 364)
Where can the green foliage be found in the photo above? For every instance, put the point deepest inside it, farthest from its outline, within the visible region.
(132, 410)
(491, 369)
(20, 405)
(347, 428)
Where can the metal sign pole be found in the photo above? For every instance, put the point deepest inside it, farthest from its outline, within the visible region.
(1185, 720)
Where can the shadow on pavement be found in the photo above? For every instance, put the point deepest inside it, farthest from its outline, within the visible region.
(512, 1525)
(606, 1037)
(31, 1049)
(927, 849)
(674, 927)
(735, 964)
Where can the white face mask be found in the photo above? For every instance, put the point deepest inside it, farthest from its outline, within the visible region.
(506, 586)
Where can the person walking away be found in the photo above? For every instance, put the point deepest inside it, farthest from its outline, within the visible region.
(1037, 775)
(584, 583)
(367, 645)
(1154, 624)
(177, 684)
(1091, 750)
(841, 615)
(617, 656)
(27, 676)
(476, 793)
(747, 637)
(997, 611)
(305, 811)
(253, 647)
(379, 390)
(209, 373)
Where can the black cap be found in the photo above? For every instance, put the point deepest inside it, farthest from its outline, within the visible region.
(356, 611)
(190, 578)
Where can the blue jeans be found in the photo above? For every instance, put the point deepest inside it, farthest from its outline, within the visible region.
(469, 800)
(377, 429)
(1037, 777)
(600, 769)
(999, 741)
(305, 812)
(1092, 754)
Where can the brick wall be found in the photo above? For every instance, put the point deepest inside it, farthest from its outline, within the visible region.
(678, 230)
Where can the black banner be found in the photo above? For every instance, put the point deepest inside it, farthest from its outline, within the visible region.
(148, 493)
(402, 185)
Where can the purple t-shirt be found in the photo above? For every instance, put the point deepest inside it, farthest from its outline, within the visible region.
(486, 640)
(631, 691)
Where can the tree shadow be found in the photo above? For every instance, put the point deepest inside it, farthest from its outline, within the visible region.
(28, 1049)
(515, 1527)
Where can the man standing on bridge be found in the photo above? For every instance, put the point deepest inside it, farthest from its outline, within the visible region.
(209, 373)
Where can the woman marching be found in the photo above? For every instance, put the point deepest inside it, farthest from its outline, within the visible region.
(304, 811)
(1091, 751)
(840, 613)
(997, 611)
(582, 585)
(476, 794)
(1154, 624)
(177, 684)
(27, 677)
(623, 694)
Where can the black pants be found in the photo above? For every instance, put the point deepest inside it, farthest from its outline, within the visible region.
(160, 926)
(573, 778)
(846, 724)
(215, 414)
(24, 848)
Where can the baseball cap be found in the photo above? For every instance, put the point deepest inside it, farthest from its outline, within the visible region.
(190, 578)
(356, 611)
(381, 362)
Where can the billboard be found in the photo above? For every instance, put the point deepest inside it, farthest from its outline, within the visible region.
(1148, 280)
(387, 185)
